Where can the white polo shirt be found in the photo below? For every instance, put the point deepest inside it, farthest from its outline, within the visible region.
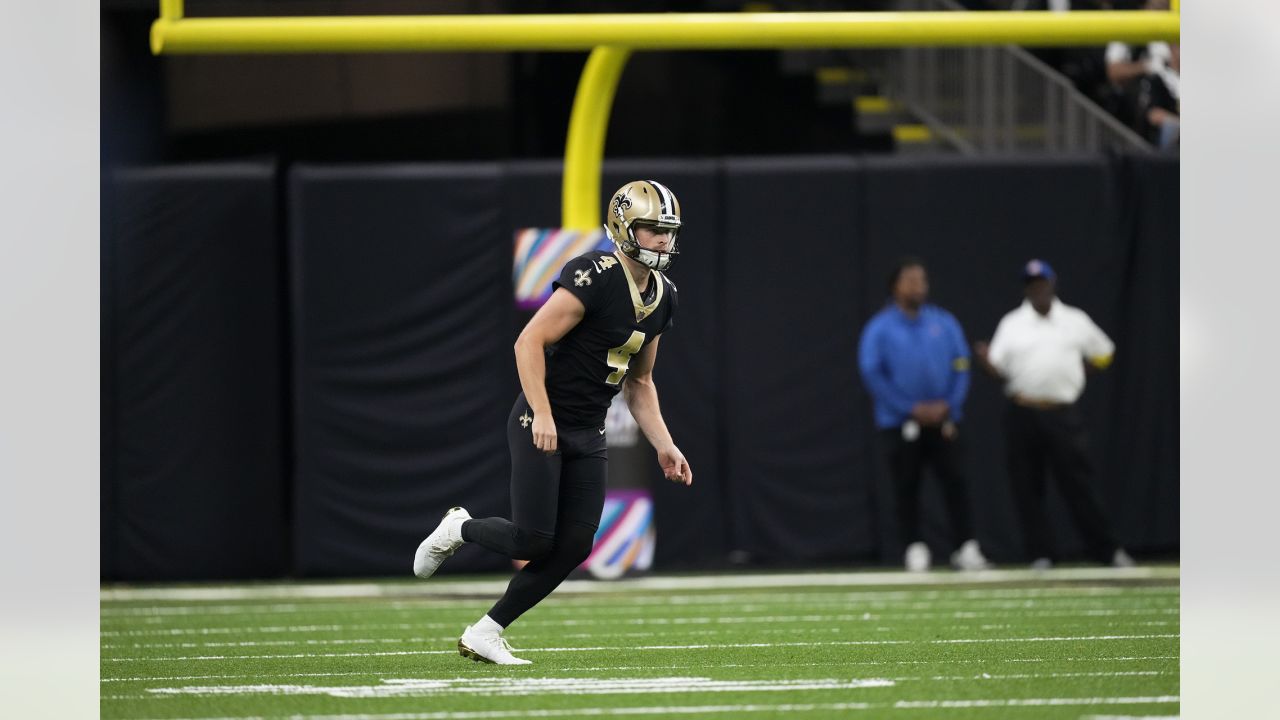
(1042, 357)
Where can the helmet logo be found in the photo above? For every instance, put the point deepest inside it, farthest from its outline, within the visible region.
(621, 203)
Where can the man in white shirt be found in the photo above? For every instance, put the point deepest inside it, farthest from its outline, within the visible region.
(1040, 352)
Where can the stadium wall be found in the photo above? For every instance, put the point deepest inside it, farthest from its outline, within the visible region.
(254, 436)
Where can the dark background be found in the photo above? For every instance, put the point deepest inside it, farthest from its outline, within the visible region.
(306, 364)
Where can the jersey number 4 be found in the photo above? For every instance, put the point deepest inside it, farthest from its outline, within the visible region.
(620, 357)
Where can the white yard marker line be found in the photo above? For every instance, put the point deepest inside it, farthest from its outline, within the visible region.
(495, 687)
(706, 709)
(746, 604)
(1032, 702)
(579, 712)
(1128, 717)
(538, 624)
(283, 643)
(1036, 676)
(1138, 658)
(657, 583)
(802, 632)
(700, 666)
(518, 686)
(831, 643)
(729, 619)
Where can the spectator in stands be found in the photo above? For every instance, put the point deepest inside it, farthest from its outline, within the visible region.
(1143, 81)
(915, 362)
(1040, 351)
(1158, 102)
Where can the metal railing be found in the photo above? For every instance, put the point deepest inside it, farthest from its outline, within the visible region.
(997, 99)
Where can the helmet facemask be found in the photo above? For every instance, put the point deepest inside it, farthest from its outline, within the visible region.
(658, 260)
(644, 203)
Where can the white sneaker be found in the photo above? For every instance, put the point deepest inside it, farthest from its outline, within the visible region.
(970, 557)
(1042, 564)
(487, 648)
(1122, 559)
(917, 557)
(440, 544)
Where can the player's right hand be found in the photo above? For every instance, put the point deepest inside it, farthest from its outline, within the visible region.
(544, 433)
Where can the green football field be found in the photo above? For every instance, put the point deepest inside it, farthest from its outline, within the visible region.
(1067, 643)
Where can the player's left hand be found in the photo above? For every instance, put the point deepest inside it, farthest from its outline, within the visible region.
(674, 466)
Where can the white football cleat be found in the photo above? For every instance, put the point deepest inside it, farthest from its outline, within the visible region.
(440, 544)
(970, 557)
(917, 557)
(487, 647)
(1122, 559)
(1043, 563)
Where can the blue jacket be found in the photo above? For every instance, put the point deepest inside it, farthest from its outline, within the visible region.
(905, 361)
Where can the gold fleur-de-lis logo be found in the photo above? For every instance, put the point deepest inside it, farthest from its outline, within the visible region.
(621, 203)
(525, 419)
(582, 277)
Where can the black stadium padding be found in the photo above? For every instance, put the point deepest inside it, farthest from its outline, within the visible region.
(796, 443)
(305, 390)
(195, 465)
(1142, 452)
(403, 369)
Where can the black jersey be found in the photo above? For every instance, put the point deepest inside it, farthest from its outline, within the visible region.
(587, 367)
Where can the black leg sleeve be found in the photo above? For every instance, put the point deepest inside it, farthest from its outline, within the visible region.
(581, 501)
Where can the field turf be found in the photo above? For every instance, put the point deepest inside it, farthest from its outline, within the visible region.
(1069, 643)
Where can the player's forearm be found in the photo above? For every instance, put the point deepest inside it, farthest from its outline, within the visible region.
(531, 364)
(642, 399)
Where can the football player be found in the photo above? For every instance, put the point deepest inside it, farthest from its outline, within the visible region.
(597, 334)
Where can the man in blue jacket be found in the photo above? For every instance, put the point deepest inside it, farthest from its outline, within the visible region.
(915, 362)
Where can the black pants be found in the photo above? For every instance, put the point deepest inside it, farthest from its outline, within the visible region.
(907, 460)
(1053, 439)
(556, 501)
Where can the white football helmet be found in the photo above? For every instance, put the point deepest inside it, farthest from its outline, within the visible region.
(644, 203)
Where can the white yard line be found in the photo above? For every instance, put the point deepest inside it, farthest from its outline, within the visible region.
(1128, 717)
(700, 666)
(612, 633)
(1031, 702)
(614, 623)
(831, 643)
(867, 616)
(651, 584)
(529, 686)
(744, 604)
(524, 687)
(742, 708)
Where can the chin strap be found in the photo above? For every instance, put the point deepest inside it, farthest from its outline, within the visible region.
(651, 259)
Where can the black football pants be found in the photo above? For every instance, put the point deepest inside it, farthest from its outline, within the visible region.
(907, 460)
(1040, 440)
(556, 501)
